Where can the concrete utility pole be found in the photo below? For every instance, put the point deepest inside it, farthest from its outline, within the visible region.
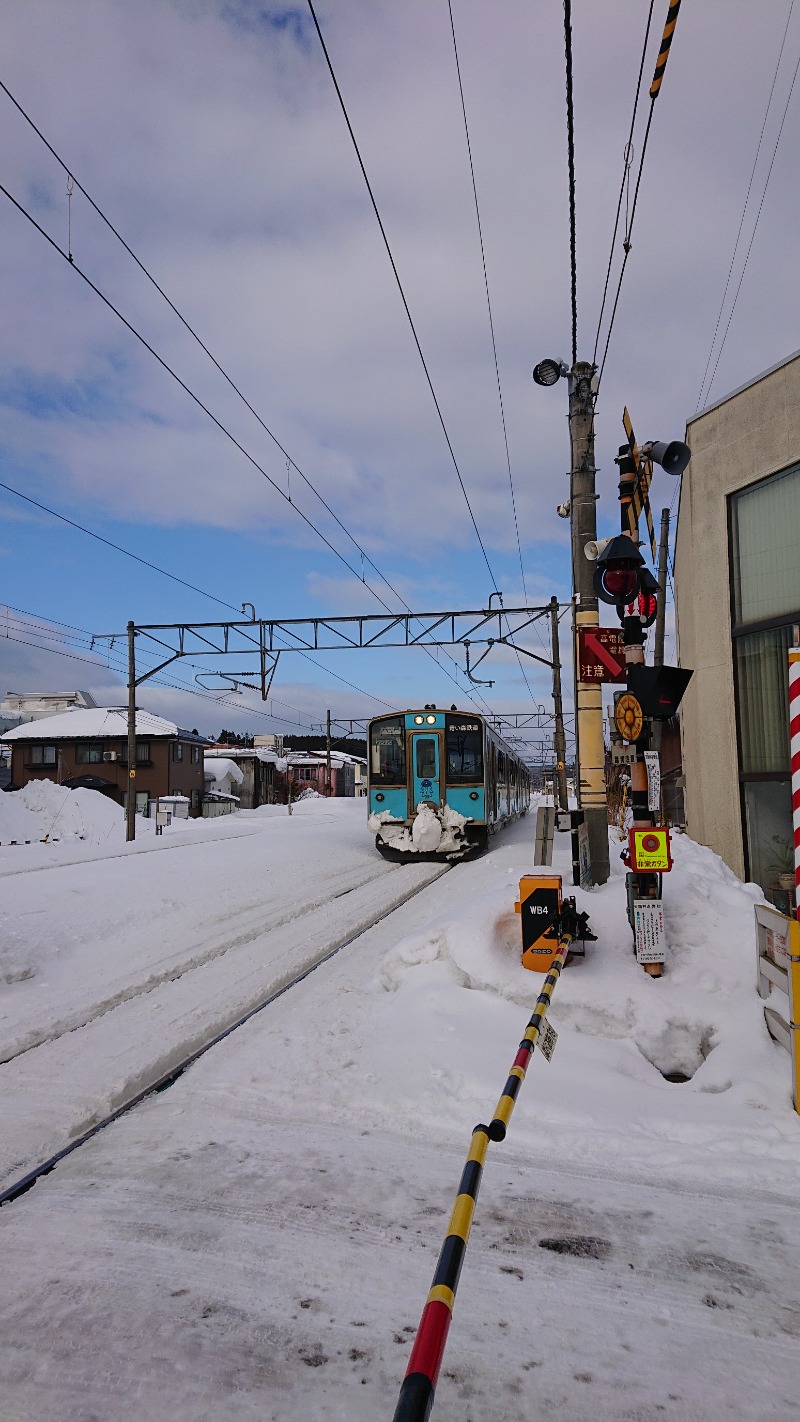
(130, 803)
(591, 755)
(658, 647)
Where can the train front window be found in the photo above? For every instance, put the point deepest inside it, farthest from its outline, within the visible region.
(464, 750)
(387, 753)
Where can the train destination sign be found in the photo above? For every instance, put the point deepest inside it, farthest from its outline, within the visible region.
(601, 654)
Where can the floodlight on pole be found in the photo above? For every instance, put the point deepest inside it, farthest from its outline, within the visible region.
(548, 371)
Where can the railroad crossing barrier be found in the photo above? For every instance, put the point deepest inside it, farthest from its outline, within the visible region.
(778, 964)
(419, 1385)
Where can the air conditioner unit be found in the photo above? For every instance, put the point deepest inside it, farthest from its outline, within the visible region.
(110, 755)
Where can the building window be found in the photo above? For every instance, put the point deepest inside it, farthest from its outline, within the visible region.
(89, 753)
(177, 751)
(765, 588)
(41, 755)
(195, 801)
(196, 755)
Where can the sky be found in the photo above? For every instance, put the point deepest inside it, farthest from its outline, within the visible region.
(211, 137)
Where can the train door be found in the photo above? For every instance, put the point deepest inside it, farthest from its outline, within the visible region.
(426, 769)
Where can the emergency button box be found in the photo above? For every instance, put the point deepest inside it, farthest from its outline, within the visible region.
(539, 907)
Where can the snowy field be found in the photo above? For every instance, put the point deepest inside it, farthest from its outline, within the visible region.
(258, 1240)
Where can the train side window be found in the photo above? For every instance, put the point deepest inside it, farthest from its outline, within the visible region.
(387, 752)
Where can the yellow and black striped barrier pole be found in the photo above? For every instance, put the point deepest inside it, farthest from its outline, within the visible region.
(666, 41)
(419, 1385)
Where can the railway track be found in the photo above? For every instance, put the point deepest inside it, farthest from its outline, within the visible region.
(61, 1091)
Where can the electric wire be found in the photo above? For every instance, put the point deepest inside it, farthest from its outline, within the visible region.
(491, 331)
(402, 293)
(290, 462)
(628, 155)
(655, 89)
(753, 233)
(571, 173)
(55, 245)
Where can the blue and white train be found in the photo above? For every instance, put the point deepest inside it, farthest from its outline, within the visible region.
(440, 782)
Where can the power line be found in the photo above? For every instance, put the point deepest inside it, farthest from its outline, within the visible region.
(628, 158)
(290, 462)
(402, 293)
(744, 210)
(215, 421)
(655, 89)
(753, 233)
(571, 172)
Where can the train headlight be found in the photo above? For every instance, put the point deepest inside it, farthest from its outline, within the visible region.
(419, 720)
(431, 720)
(380, 797)
(473, 795)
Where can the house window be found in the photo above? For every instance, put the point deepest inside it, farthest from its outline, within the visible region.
(177, 751)
(195, 801)
(41, 755)
(89, 753)
(765, 598)
(196, 755)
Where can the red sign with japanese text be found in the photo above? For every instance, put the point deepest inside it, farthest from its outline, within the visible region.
(601, 654)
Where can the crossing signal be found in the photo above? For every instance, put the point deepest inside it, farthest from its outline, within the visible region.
(618, 576)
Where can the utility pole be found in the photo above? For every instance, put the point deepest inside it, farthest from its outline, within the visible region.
(591, 755)
(658, 648)
(559, 739)
(328, 756)
(130, 803)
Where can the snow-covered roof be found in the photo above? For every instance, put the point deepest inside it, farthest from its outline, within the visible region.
(218, 767)
(99, 723)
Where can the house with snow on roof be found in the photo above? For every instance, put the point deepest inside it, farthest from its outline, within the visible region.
(88, 749)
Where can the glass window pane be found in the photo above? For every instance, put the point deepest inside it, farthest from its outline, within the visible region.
(426, 758)
(770, 842)
(766, 568)
(388, 752)
(464, 750)
(762, 682)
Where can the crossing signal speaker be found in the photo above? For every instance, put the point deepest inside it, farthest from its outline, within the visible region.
(659, 690)
(672, 457)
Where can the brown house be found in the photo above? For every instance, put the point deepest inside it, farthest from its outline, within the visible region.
(89, 749)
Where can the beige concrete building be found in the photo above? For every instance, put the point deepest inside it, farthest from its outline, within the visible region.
(737, 589)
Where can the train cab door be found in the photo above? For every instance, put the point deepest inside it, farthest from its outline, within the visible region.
(426, 769)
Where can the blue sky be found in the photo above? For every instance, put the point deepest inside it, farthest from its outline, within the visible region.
(211, 137)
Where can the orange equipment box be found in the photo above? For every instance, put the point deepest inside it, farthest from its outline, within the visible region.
(539, 907)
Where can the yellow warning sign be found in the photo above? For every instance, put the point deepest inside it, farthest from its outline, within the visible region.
(650, 850)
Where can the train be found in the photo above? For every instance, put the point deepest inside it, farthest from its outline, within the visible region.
(440, 783)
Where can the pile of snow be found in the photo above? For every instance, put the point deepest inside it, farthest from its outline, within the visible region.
(42, 810)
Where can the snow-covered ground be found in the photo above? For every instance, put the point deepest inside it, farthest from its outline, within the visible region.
(258, 1241)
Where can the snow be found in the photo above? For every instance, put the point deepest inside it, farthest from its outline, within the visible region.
(100, 721)
(258, 1241)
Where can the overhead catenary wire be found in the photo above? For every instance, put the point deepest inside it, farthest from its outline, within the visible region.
(573, 260)
(218, 423)
(402, 293)
(655, 89)
(491, 329)
(753, 233)
(628, 157)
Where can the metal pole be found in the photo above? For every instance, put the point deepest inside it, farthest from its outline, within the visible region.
(328, 756)
(559, 739)
(591, 777)
(663, 547)
(130, 803)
